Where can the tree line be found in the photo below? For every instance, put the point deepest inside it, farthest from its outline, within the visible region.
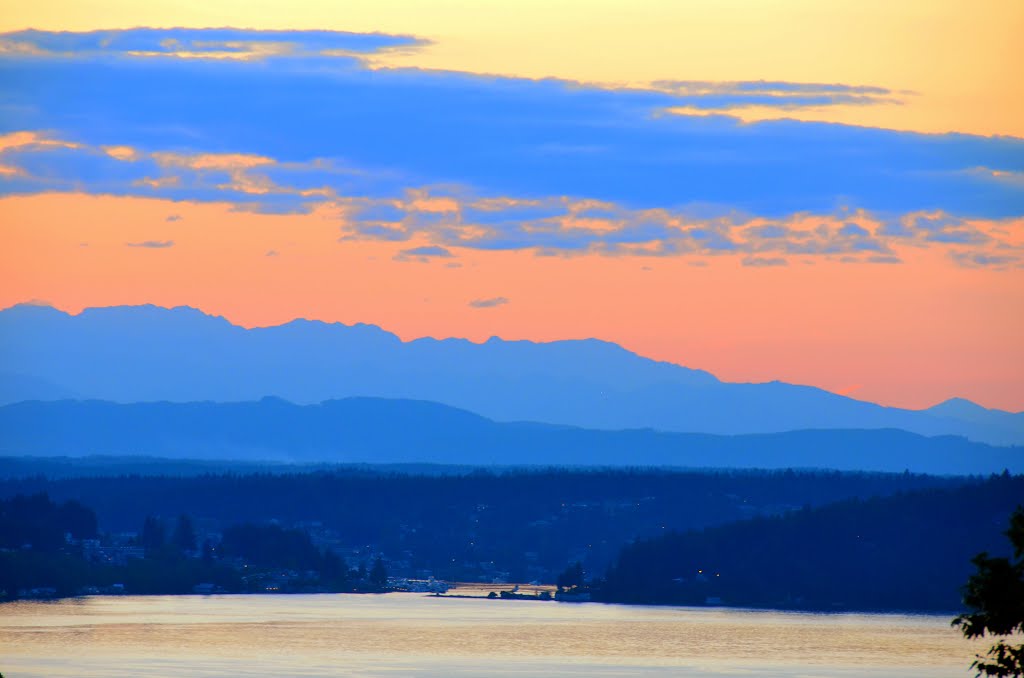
(909, 551)
(474, 525)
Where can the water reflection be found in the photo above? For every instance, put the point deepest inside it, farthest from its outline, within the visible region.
(413, 634)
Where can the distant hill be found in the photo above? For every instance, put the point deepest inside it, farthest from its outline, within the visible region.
(374, 430)
(148, 353)
(909, 551)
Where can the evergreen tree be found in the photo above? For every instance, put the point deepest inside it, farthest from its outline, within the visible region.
(153, 534)
(79, 520)
(996, 594)
(571, 577)
(184, 538)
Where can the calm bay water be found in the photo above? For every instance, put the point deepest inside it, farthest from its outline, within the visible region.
(408, 634)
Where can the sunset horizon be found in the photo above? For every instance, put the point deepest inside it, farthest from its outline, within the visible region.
(511, 338)
(478, 340)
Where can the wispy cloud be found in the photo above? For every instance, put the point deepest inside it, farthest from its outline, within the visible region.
(986, 260)
(725, 96)
(152, 244)
(27, 141)
(563, 226)
(423, 254)
(429, 251)
(200, 43)
(126, 153)
(488, 303)
(455, 216)
(764, 261)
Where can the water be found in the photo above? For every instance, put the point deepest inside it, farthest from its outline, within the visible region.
(408, 634)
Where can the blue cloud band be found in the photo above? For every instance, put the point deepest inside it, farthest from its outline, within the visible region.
(331, 127)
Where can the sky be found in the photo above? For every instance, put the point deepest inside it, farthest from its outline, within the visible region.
(820, 193)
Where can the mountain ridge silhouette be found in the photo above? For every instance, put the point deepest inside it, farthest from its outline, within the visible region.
(386, 431)
(150, 353)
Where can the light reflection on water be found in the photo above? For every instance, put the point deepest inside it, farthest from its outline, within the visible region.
(409, 634)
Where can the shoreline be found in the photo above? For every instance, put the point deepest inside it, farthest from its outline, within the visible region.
(724, 608)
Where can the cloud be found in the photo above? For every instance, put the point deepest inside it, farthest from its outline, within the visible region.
(769, 87)
(727, 96)
(423, 254)
(764, 261)
(456, 216)
(936, 226)
(350, 132)
(225, 162)
(124, 153)
(853, 231)
(768, 231)
(157, 182)
(250, 181)
(985, 260)
(488, 303)
(29, 140)
(961, 236)
(489, 163)
(152, 244)
(430, 251)
(201, 43)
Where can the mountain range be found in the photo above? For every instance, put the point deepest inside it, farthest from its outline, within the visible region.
(359, 430)
(131, 354)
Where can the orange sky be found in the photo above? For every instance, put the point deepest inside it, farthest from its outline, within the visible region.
(908, 335)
